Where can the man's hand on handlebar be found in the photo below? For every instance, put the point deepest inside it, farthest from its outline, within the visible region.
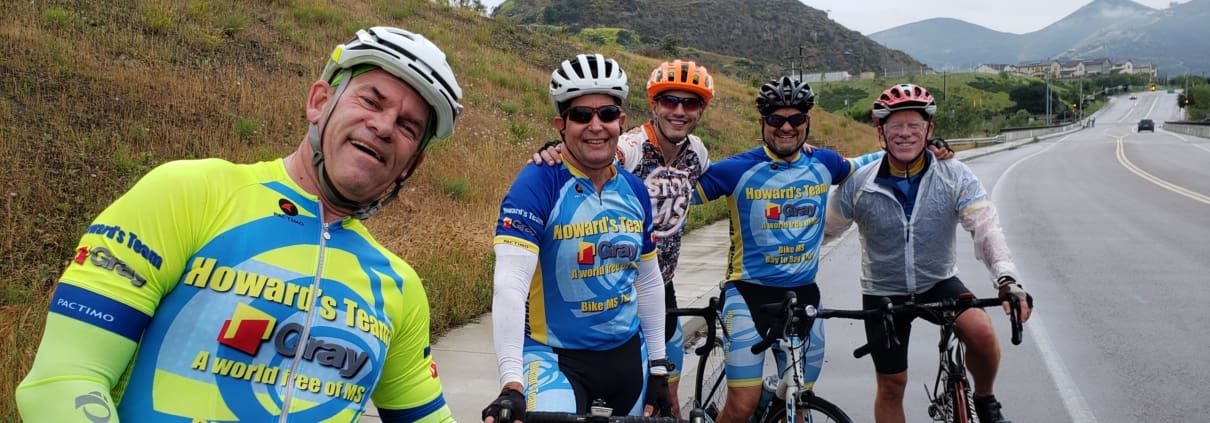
(1011, 291)
(511, 400)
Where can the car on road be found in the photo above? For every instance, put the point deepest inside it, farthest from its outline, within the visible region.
(1134, 98)
(1146, 125)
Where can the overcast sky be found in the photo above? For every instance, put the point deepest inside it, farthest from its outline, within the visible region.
(1015, 16)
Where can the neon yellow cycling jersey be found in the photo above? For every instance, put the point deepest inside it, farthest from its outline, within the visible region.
(195, 295)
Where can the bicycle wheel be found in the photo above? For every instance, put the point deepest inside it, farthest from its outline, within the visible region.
(816, 410)
(712, 380)
(960, 402)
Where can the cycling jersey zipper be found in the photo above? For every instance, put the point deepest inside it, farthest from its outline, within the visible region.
(324, 236)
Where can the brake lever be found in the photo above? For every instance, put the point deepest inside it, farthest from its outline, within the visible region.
(1014, 308)
(888, 324)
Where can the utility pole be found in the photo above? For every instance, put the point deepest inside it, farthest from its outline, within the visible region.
(1048, 109)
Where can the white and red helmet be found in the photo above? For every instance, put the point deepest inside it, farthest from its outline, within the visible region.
(903, 97)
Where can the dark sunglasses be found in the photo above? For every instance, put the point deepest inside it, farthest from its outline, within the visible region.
(670, 101)
(583, 114)
(777, 121)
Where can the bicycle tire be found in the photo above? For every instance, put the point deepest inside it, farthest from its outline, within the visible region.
(962, 407)
(711, 383)
(817, 410)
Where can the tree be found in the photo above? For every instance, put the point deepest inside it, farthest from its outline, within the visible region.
(1032, 97)
(671, 46)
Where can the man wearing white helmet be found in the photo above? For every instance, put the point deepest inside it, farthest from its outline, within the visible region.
(213, 291)
(578, 299)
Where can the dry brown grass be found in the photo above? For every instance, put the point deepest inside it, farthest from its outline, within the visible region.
(98, 93)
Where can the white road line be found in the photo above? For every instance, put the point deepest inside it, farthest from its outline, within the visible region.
(1068, 391)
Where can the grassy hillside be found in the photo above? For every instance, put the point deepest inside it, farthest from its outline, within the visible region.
(96, 94)
(768, 35)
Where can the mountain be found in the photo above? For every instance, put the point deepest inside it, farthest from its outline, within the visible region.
(764, 31)
(1173, 38)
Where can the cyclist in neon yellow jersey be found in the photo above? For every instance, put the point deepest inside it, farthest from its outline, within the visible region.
(222, 292)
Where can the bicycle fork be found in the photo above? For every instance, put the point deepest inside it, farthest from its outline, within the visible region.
(950, 400)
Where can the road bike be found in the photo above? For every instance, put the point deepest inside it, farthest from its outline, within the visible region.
(784, 396)
(951, 399)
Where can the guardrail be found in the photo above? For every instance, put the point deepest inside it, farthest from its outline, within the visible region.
(978, 142)
(1197, 129)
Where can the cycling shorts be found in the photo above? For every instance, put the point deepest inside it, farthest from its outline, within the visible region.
(894, 360)
(568, 381)
(744, 329)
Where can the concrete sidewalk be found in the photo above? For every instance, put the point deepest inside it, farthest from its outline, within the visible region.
(466, 357)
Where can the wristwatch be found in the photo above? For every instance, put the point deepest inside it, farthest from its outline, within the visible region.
(663, 362)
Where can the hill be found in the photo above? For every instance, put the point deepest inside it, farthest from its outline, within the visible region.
(100, 93)
(768, 32)
(1172, 38)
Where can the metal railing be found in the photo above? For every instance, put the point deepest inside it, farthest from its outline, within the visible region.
(977, 142)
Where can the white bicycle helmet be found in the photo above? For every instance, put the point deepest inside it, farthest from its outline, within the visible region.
(587, 74)
(410, 57)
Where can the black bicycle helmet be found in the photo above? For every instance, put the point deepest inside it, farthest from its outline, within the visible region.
(785, 92)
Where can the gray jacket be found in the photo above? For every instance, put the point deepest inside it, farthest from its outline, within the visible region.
(899, 257)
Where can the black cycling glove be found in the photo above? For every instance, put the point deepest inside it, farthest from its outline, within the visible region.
(549, 144)
(658, 396)
(940, 144)
(510, 399)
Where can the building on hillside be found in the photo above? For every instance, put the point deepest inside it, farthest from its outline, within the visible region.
(1148, 69)
(1071, 69)
(1124, 66)
(1038, 69)
(824, 76)
(1101, 66)
(995, 68)
(1080, 68)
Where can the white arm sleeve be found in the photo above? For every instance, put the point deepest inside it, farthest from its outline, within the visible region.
(515, 268)
(991, 247)
(650, 286)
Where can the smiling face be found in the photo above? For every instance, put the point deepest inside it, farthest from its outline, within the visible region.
(904, 133)
(373, 135)
(675, 123)
(590, 145)
(787, 138)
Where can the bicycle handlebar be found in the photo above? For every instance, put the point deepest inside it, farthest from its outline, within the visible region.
(959, 304)
(785, 311)
(697, 415)
(709, 312)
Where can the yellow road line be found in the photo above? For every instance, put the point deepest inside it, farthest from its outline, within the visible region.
(1121, 153)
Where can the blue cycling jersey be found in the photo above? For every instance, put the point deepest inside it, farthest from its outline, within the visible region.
(777, 211)
(589, 245)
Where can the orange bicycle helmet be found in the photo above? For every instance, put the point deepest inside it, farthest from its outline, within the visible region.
(903, 97)
(680, 75)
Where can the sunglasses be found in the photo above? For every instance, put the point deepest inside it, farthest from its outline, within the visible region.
(583, 114)
(691, 104)
(777, 121)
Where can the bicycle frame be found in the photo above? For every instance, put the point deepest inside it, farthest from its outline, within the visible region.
(951, 399)
(791, 392)
(791, 386)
